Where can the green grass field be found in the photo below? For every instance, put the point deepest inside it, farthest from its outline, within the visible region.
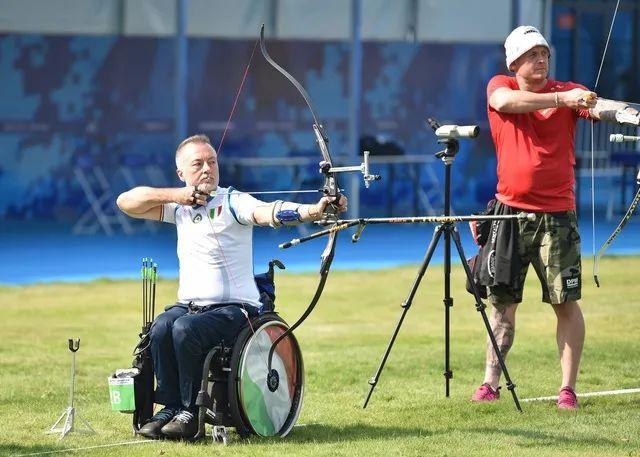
(342, 343)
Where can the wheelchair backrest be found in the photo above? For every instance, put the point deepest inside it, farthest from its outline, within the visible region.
(267, 287)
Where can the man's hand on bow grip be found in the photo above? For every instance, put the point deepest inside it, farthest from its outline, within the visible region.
(340, 203)
(577, 99)
(191, 196)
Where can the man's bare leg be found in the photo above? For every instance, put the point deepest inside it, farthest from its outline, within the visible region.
(570, 339)
(503, 325)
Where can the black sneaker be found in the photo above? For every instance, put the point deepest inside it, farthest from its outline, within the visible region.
(152, 428)
(183, 426)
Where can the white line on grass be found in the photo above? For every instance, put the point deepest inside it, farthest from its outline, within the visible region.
(125, 443)
(58, 451)
(589, 394)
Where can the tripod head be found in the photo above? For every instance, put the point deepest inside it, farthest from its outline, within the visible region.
(452, 145)
(448, 135)
(74, 344)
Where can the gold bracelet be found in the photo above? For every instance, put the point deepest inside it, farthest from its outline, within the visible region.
(557, 104)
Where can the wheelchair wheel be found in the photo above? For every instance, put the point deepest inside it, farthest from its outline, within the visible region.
(252, 404)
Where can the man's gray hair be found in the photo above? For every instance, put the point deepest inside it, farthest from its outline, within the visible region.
(198, 139)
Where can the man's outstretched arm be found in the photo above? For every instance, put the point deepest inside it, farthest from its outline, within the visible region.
(146, 202)
(288, 213)
(505, 100)
(615, 111)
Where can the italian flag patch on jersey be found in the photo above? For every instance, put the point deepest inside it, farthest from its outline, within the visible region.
(213, 212)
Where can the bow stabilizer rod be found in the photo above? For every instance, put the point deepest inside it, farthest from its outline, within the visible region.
(342, 224)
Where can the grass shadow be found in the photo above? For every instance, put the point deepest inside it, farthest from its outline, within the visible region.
(545, 439)
(325, 433)
(10, 449)
(15, 449)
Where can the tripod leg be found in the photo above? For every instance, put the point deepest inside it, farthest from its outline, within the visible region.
(89, 428)
(448, 303)
(480, 307)
(68, 423)
(54, 428)
(405, 307)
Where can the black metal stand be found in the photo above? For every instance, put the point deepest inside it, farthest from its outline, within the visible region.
(68, 416)
(450, 232)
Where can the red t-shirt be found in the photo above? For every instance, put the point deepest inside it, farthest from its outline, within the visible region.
(535, 151)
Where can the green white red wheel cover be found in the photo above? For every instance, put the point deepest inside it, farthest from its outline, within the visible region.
(270, 413)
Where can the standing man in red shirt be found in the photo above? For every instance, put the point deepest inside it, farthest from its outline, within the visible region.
(533, 120)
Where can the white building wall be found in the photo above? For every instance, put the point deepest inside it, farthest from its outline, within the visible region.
(463, 20)
(423, 20)
(91, 17)
(225, 18)
(152, 18)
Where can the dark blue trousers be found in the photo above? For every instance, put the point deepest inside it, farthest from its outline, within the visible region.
(180, 341)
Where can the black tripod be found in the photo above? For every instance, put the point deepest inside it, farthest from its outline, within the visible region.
(450, 232)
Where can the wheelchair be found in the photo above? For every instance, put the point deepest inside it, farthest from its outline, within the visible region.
(233, 391)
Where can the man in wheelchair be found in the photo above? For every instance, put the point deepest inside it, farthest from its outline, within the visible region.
(217, 293)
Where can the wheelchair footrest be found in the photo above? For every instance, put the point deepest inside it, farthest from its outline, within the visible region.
(220, 434)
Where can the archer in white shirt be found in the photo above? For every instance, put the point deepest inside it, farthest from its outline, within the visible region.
(217, 292)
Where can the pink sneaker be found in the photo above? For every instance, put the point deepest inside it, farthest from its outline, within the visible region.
(486, 393)
(567, 399)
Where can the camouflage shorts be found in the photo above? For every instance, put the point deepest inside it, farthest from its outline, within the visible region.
(551, 244)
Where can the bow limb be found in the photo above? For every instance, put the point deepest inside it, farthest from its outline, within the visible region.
(627, 216)
(327, 259)
(318, 130)
(593, 179)
(286, 74)
(330, 189)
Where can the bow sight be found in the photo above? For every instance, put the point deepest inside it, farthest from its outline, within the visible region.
(326, 167)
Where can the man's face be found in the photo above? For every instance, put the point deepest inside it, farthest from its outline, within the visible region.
(533, 64)
(198, 165)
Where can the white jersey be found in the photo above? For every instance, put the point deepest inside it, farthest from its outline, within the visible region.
(215, 249)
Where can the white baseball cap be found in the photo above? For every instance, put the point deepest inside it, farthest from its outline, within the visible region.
(521, 40)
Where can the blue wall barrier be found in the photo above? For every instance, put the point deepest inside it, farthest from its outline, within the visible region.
(74, 103)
